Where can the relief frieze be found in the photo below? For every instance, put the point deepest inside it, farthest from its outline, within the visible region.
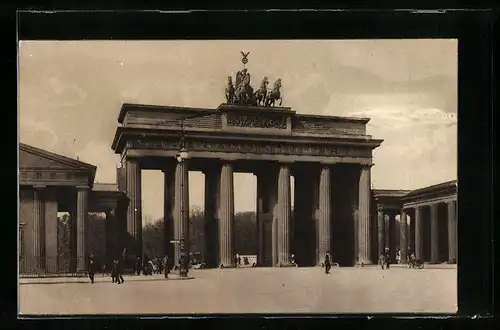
(256, 121)
(256, 148)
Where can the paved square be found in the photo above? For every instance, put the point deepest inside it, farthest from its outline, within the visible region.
(254, 290)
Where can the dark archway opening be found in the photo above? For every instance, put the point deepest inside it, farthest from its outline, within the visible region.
(344, 205)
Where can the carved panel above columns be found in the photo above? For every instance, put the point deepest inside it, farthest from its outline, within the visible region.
(272, 120)
(254, 147)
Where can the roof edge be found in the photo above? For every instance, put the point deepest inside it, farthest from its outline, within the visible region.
(363, 120)
(136, 106)
(54, 156)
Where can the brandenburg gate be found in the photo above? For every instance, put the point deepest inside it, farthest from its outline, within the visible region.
(328, 157)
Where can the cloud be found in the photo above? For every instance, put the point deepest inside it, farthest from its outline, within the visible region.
(419, 146)
(312, 87)
(37, 133)
(52, 91)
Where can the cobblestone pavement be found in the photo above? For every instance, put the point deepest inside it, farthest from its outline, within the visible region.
(254, 290)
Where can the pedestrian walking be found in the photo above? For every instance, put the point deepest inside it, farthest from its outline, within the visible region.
(114, 272)
(119, 271)
(138, 266)
(166, 268)
(381, 260)
(91, 268)
(387, 258)
(328, 263)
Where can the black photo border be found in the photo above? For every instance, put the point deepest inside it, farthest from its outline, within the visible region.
(474, 30)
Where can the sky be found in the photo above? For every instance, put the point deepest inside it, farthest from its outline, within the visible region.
(70, 94)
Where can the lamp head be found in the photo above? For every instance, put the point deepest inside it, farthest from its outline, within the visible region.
(182, 155)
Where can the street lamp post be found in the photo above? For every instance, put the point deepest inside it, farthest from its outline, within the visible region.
(184, 252)
(182, 157)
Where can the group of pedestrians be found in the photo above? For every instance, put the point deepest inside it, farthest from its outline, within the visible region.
(154, 265)
(116, 270)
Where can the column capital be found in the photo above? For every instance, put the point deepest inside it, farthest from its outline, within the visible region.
(433, 205)
(380, 208)
(287, 163)
(325, 166)
(129, 158)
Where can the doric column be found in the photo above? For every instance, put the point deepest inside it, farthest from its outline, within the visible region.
(419, 232)
(381, 230)
(403, 238)
(387, 232)
(134, 211)
(212, 181)
(452, 233)
(434, 234)
(181, 210)
(38, 230)
(81, 222)
(168, 209)
(364, 244)
(50, 234)
(284, 214)
(226, 216)
(324, 213)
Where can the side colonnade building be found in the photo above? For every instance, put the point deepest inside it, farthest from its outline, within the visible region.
(50, 183)
(421, 221)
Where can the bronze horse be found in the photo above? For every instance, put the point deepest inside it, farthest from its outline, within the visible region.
(274, 94)
(230, 90)
(261, 93)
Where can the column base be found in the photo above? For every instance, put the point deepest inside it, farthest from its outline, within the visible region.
(452, 261)
(365, 263)
(434, 262)
(288, 264)
(221, 266)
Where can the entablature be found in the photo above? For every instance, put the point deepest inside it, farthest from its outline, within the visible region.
(52, 177)
(139, 138)
(104, 201)
(430, 201)
(446, 190)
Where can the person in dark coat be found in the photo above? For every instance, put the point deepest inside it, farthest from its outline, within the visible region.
(387, 259)
(328, 263)
(114, 271)
(165, 266)
(381, 260)
(91, 268)
(138, 266)
(119, 271)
